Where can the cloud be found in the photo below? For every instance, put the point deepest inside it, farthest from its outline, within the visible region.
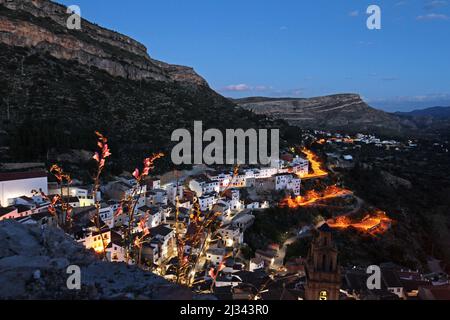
(246, 88)
(430, 5)
(401, 3)
(237, 87)
(283, 28)
(353, 13)
(432, 16)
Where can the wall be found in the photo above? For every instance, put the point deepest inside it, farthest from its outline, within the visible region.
(17, 188)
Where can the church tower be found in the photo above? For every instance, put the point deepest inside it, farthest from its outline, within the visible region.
(322, 270)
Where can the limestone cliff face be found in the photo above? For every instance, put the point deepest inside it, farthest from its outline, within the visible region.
(342, 112)
(41, 25)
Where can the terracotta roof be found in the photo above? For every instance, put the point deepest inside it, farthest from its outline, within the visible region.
(11, 176)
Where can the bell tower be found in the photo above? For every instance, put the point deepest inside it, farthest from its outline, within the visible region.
(322, 270)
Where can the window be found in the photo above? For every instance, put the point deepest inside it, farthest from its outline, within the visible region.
(323, 295)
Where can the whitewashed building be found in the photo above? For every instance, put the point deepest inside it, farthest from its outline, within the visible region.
(17, 184)
(203, 185)
(207, 201)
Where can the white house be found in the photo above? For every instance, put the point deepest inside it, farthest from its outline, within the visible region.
(112, 244)
(154, 214)
(106, 214)
(231, 235)
(153, 184)
(207, 201)
(203, 185)
(243, 221)
(223, 178)
(281, 181)
(165, 237)
(265, 172)
(287, 182)
(84, 194)
(156, 196)
(115, 251)
(40, 219)
(233, 200)
(256, 264)
(120, 189)
(300, 166)
(215, 255)
(173, 191)
(239, 181)
(17, 184)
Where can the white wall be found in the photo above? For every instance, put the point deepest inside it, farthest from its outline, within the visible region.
(17, 188)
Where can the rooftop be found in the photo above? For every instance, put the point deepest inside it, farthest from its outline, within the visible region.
(162, 230)
(5, 211)
(12, 176)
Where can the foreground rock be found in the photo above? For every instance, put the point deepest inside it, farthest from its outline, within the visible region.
(33, 265)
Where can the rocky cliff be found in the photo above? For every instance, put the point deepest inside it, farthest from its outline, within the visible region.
(33, 265)
(42, 25)
(57, 86)
(337, 112)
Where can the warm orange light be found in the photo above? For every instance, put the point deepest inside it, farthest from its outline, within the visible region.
(312, 197)
(98, 250)
(321, 141)
(316, 165)
(374, 223)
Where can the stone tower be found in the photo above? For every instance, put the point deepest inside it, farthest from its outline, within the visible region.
(322, 269)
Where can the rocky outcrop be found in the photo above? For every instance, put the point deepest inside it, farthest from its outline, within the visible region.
(41, 24)
(342, 112)
(33, 265)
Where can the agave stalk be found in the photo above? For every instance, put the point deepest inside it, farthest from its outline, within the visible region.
(100, 157)
(62, 178)
(132, 200)
(202, 226)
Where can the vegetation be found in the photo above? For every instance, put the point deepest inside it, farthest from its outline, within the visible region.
(51, 106)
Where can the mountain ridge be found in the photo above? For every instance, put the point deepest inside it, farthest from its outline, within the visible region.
(42, 23)
(333, 112)
(58, 86)
(441, 112)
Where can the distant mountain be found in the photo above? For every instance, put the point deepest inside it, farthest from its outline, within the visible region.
(430, 120)
(434, 112)
(335, 112)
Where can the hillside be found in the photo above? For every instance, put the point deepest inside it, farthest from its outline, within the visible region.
(337, 112)
(57, 86)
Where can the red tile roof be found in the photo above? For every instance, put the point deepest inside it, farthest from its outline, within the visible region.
(10, 176)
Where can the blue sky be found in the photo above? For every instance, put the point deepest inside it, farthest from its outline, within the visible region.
(296, 48)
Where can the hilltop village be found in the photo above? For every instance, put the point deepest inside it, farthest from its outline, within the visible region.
(191, 227)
